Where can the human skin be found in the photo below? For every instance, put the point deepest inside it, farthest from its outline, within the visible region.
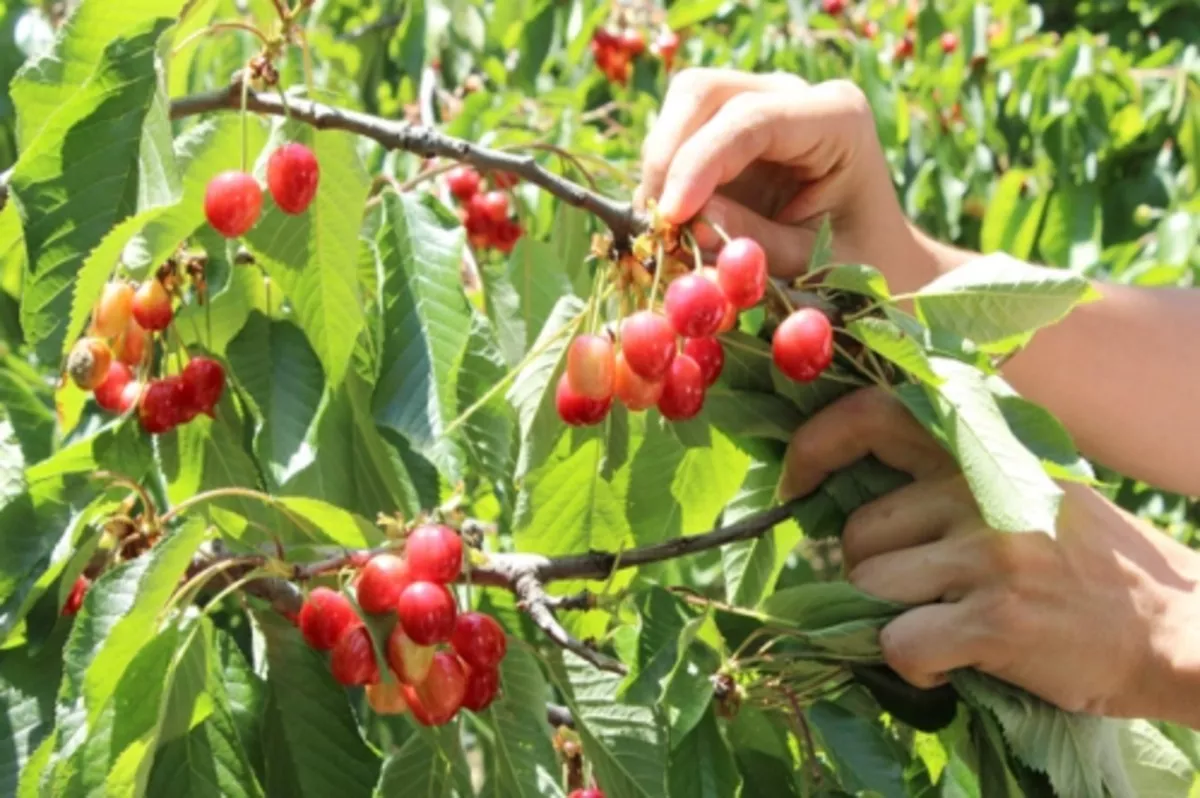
(1099, 618)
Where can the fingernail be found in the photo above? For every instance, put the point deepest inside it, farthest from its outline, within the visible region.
(704, 230)
(669, 205)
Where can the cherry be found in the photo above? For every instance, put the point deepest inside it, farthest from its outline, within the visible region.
(576, 409)
(205, 380)
(506, 235)
(353, 658)
(380, 583)
(410, 661)
(387, 697)
(292, 177)
(483, 684)
(186, 402)
(903, 48)
(463, 182)
(635, 391)
(695, 306)
(437, 699)
(479, 640)
(324, 616)
(112, 313)
(232, 202)
(633, 42)
(870, 29)
(427, 613)
(730, 320)
(709, 356)
(88, 363)
(108, 393)
(504, 180)
(130, 397)
(683, 389)
(434, 553)
(949, 42)
(648, 343)
(75, 598)
(494, 205)
(803, 344)
(589, 792)
(667, 44)
(152, 305)
(742, 272)
(590, 366)
(834, 7)
(131, 346)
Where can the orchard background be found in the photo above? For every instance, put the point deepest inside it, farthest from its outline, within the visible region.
(670, 629)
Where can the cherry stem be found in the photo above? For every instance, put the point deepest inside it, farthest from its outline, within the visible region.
(217, 27)
(659, 265)
(149, 510)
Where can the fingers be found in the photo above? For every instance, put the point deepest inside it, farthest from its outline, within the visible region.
(787, 246)
(865, 422)
(920, 512)
(942, 570)
(692, 98)
(926, 643)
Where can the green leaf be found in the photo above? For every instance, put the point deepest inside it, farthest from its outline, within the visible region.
(429, 763)
(1040, 432)
(311, 255)
(885, 338)
(822, 248)
(996, 299)
(861, 754)
(702, 765)
(859, 279)
(537, 34)
(1013, 218)
(681, 15)
(1156, 768)
(1071, 233)
(526, 764)
(662, 618)
(31, 418)
(489, 433)
(310, 740)
(207, 454)
(28, 684)
(1012, 490)
(428, 322)
(821, 604)
(522, 291)
(745, 414)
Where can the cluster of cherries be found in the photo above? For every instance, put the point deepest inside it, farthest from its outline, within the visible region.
(485, 214)
(105, 361)
(669, 360)
(615, 51)
(430, 682)
(233, 199)
(905, 47)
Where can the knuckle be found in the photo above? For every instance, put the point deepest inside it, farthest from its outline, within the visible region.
(852, 98)
(1004, 556)
(1002, 617)
(904, 656)
(864, 408)
(856, 533)
(692, 80)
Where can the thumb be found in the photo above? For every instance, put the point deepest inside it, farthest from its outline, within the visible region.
(787, 246)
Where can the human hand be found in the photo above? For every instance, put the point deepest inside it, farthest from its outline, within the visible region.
(769, 156)
(1103, 618)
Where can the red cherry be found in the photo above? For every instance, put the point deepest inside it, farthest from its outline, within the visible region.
(479, 640)
(410, 661)
(152, 306)
(633, 42)
(325, 615)
(494, 205)
(232, 203)
(834, 7)
(742, 272)
(506, 235)
(589, 792)
(88, 363)
(387, 697)
(504, 180)
(904, 48)
(292, 177)
(483, 684)
(108, 393)
(162, 405)
(576, 409)
(130, 348)
(635, 391)
(709, 356)
(112, 312)
(695, 306)
(667, 44)
(381, 582)
(949, 42)
(353, 658)
(648, 343)
(434, 553)
(730, 319)
(683, 389)
(437, 699)
(427, 612)
(590, 366)
(130, 397)
(870, 29)
(75, 598)
(463, 182)
(205, 380)
(803, 345)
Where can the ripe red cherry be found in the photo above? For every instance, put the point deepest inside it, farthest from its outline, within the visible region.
(648, 342)
(325, 615)
(88, 363)
(130, 397)
(437, 699)
(590, 366)
(292, 177)
(695, 306)
(635, 391)
(205, 380)
(112, 312)
(803, 345)
(903, 48)
(709, 356)
(353, 658)
(152, 305)
(381, 582)
(162, 405)
(108, 393)
(75, 598)
(427, 613)
(576, 409)
(589, 792)
(949, 42)
(834, 7)
(463, 182)
(483, 684)
(667, 44)
(870, 29)
(683, 389)
(130, 348)
(494, 205)
(479, 640)
(633, 42)
(410, 661)
(742, 272)
(232, 203)
(506, 235)
(387, 697)
(434, 553)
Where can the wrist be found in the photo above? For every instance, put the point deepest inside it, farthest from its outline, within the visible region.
(925, 260)
(1173, 680)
